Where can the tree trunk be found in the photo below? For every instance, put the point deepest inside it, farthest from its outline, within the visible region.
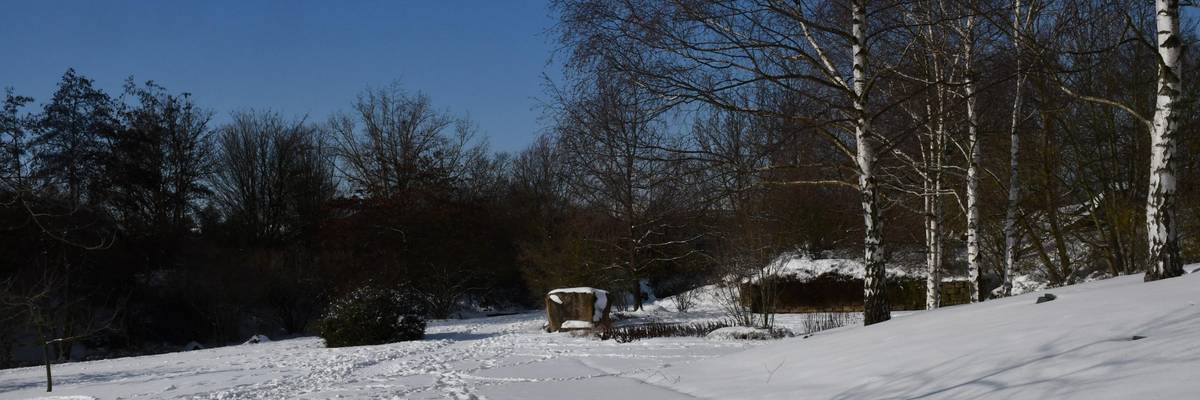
(637, 294)
(46, 355)
(931, 270)
(975, 154)
(1161, 225)
(875, 305)
(1014, 181)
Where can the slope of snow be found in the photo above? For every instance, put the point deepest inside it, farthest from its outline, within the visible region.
(1077, 347)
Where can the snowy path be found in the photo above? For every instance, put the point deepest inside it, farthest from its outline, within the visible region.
(492, 358)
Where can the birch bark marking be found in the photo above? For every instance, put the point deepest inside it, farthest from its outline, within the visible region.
(1161, 225)
(875, 307)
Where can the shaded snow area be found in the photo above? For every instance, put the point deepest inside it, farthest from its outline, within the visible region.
(1079, 346)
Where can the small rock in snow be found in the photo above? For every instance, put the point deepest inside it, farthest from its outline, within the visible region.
(1046, 297)
(258, 339)
(1137, 337)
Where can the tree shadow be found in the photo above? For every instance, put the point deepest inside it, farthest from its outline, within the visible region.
(1110, 355)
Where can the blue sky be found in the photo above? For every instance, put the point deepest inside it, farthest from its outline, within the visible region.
(482, 58)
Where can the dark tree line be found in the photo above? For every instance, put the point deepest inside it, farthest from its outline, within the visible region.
(130, 221)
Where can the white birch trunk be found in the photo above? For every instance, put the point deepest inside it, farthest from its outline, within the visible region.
(974, 154)
(1161, 224)
(1014, 181)
(933, 205)
(875, 307)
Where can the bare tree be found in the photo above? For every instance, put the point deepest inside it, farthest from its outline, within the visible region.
(1023, 15)
(394, 141)
(968, 32)
(712, 51)
(618, 162)
(1162, 231)
(272, 175)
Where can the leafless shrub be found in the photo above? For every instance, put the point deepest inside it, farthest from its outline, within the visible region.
(685, 300)
(816, 322)
(632, 333)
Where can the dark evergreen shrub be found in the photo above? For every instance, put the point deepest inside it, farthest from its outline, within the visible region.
(373, 315)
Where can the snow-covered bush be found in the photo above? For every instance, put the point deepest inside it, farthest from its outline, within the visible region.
(373, 315)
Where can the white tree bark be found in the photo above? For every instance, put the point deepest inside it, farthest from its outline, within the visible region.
(974, 156)
(934, 150)
(933, 239)
(933, 203)
(1014, 181)
(875, 307)
(1161, 224)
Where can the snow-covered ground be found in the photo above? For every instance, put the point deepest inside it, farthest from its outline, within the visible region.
(1077, 347)
(496, 358)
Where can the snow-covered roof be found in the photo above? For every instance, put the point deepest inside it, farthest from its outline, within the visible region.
(804, 268)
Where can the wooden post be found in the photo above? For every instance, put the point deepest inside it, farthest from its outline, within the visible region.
(46, 355)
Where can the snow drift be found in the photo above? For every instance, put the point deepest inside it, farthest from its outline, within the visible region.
(1080, 346)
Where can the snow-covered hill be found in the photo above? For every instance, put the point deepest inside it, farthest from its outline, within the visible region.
(1077, 347)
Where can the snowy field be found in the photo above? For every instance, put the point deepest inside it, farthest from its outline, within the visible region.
(1077, 347)
(497, 358)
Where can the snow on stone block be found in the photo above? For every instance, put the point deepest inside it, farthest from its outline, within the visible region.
(576, 304)
(575, 324)
(740, 333)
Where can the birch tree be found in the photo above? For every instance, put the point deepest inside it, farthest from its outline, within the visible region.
(974, 151)
(1162, 230)
(934, 69)
(1021, 20)
(614, 139)
(712, 51)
